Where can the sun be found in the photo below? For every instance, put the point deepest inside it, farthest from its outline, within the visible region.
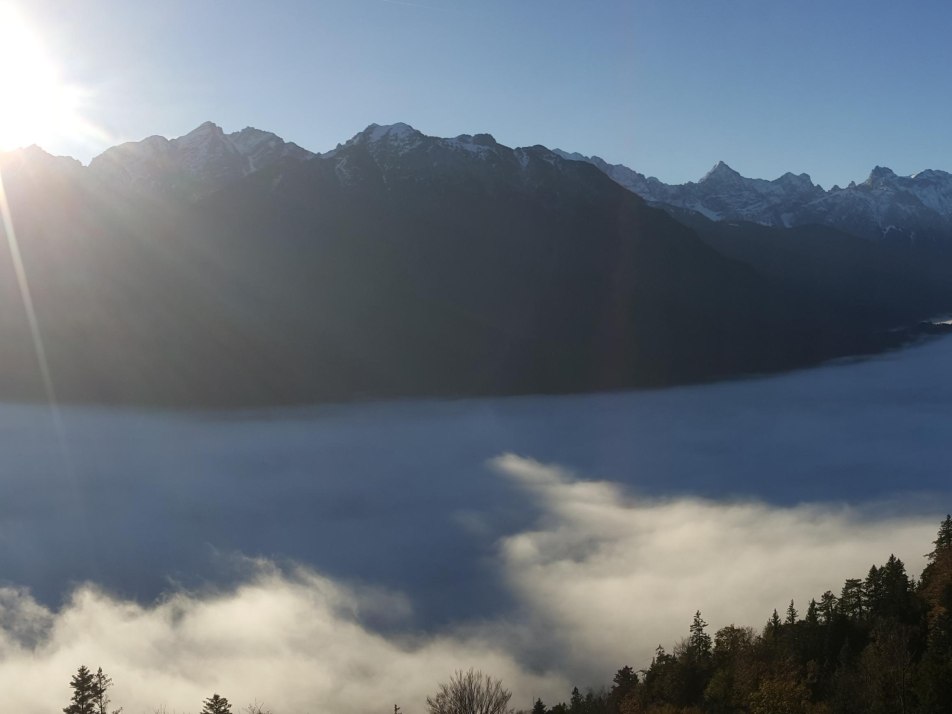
(36, 105)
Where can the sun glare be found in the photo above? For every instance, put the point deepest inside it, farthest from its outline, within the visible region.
(36, 105)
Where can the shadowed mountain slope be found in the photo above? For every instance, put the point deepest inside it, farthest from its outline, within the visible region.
(396, 265)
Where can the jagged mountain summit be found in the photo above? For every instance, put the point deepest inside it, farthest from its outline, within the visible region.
(195, 164)
(885, 205)
(242, 270)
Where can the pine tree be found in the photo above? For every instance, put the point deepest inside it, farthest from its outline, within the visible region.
(812, 618)
(827, 608)
(935, 588)
(943, 541)
(575, 703)
(624, 679)
(216, 705)
(84, 692)
(539, 707)
(101, 685)
(792, 615)
(624, 683)
(773, 625)
(852, 599)
(699, 641)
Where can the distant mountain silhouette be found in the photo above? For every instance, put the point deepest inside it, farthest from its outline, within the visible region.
(221, 270)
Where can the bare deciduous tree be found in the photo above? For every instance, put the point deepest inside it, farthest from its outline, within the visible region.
(256, 708)
(470, 692)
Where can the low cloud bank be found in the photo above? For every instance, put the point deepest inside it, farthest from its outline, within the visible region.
(608, 577)
(599, 580)
(291, 641)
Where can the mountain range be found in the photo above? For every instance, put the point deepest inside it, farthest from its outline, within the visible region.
(884, 206)
(222, 270)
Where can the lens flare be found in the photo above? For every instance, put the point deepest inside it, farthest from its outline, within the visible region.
(37, 106)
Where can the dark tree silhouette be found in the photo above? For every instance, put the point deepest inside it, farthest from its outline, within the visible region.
(216, 704)
(774, 624)
(576, 702)
(84, 696)
(256, 708)
(852, 599)
(791, 615)
(102, 683)
(699, 641)
(812, 618)
(470, 692)
(943, 541)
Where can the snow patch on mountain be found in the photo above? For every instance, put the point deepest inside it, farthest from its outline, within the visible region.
(885, 205)
(195, 164)
(916, 207)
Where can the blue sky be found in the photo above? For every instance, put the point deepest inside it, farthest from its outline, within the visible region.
(668, 87)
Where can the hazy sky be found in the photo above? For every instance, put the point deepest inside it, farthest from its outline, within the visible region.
(668, 87)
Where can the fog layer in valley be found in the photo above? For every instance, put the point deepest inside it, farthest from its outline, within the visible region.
(348, 558)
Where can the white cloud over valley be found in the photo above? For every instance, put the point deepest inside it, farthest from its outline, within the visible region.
(598, 581)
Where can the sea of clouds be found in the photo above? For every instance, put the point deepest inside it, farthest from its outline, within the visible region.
(347, 559)
(598, 579)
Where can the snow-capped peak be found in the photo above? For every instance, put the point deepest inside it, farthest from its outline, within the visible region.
(398, 136)
(720, 172)
(478, 144)
(398, 131)
(261, 148)
(249, 138)
(202, 134)
(196, 163)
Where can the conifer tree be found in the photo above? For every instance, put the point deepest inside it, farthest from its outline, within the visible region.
(84, 696)
(101, 685)
(624, 683)
(624, 679)
(826, 608)
(812, 618)
(852, 599)
(943, 541)
(575, 703)
(699, 641)
(792, 614)
(216, 704)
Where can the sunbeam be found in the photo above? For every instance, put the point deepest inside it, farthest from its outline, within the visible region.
(36, 335)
